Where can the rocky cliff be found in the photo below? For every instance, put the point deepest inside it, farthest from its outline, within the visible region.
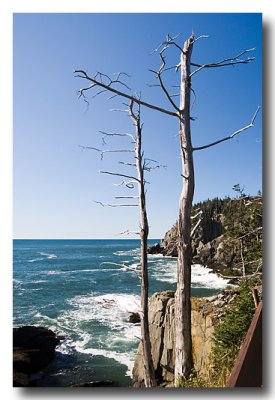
(229, 234)
(205, 314)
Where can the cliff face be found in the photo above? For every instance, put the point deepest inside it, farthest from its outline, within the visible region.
(230, 234)
(205, 313)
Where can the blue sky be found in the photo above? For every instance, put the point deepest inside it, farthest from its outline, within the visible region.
(55, 182)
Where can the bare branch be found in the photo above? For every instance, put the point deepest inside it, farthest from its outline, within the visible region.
(195, 98)
(167, 93)
(127, 232)
(89, 148)
(199, 213)
(122, 266)
(159, 73)
(118, 151)
(126, 197)
(118, 110)
(127, 164)
(122, 73)
(230, 136)
(115, 205)
(152, 85)
(118, 134)
(118, 174)
(255, 115)
(227, 61)
(175, 95)
(249, 233)
(113, 96)
(106, 151)
(195, 227)
(98, 93)
(201, 37)
(147, 167)
(129, 184)
(168, 41)
(83, 74)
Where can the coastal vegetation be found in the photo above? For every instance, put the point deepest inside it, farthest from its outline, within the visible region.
(227, 338)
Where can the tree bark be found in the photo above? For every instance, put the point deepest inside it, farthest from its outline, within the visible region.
(149, 373)
(184, 359)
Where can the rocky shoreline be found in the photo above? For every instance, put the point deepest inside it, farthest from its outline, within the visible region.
(33, 350)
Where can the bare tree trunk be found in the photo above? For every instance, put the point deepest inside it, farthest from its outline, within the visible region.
(149, 373)
(184, 359)
(243, 264)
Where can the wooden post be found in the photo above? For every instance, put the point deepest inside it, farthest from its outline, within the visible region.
(255, 295)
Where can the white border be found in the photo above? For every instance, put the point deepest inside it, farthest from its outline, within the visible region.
(7, 8)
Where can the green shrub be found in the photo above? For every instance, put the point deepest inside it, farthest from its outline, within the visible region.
(230, 333)
(194, 381)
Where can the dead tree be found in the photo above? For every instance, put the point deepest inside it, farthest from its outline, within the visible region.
(181, 111)
(141, 164)
(149, 373)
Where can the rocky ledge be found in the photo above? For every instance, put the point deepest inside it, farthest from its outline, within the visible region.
(205, 314)
(33, 350)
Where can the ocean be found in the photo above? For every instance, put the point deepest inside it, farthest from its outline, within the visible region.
(76, 288)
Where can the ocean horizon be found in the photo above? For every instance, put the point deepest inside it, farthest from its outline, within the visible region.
(83, 290)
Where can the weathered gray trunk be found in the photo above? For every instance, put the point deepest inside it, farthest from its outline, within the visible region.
(149, 374)
(184, 359)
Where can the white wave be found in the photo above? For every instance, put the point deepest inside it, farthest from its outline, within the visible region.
(157, 256)
(56, 272)
(201, 277)
(164, 271)
(44, 317)
(35, 259)
(112, 310)
(124, 302)
(132, 252)
(66, 346)
(48, 255)
(17, 283)
(127, 359)
(205, 277)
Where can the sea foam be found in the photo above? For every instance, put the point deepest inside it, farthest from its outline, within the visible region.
(201, 276)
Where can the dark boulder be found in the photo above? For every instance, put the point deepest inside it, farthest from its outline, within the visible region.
(134, 318)
(155, 249)
(33, 350)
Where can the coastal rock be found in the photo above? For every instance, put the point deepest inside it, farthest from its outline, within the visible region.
(33, 350)
(214, 255)
(170, 242)
(134, 318)
(205, 314)
(155, 249)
